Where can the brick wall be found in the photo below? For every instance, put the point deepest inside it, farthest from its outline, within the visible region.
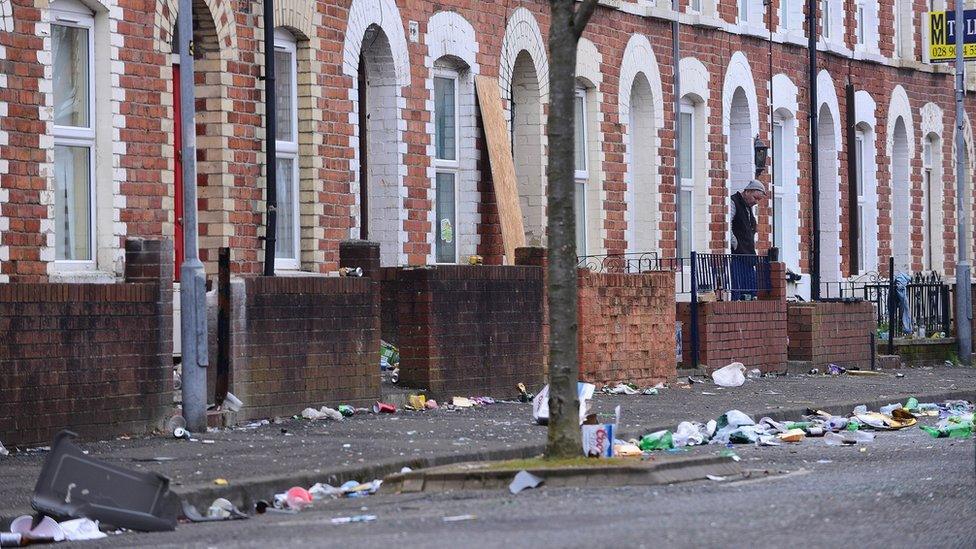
(93, 358)
(626, 327)
(751, 332)
(824, 333)
(305, 341)
(469, 330)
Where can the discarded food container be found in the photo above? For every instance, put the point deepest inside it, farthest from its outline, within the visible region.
(297, 498)
(417, 402)
(75, 485)
(384, 408)
(732, 375)
(232, 403)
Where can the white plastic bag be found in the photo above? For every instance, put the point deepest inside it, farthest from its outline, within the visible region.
(540, 404)
(732, 375)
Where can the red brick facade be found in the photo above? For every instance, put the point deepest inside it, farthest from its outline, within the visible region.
(825, 333)
(626, 327)
(303, 342)
(138, 157)
(93, 358)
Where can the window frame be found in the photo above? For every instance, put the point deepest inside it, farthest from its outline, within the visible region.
(825, 20)
(581, 177)
(860, 21)
(288, 150)
(687, 183)
(443, 165)
(70, 13)
(859, 142)
(742, 12)
(777, 178)
(928, 261)
(692, 8)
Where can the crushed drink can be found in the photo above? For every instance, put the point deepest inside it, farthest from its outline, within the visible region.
(180, 432)
(346, 410)
(384, 408)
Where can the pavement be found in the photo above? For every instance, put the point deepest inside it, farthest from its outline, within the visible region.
(261, 461)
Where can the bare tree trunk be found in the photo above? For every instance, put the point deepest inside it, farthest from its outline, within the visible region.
(567, 25)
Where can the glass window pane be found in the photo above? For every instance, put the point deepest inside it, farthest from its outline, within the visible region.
(445, 116)
(743, 10)
(687, 153)
(859, 160)
(777, 155)
(580, 208)
(72, 203)
(71, 78)
(284, 96)
(860, 241)
(778, 222)
(446, 220)
(686, 222)
(286, 222)
(579, 123)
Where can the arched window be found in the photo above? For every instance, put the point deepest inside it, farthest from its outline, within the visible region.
(582, 165)
(287, 249)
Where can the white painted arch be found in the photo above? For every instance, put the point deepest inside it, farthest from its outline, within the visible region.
(900, 154)
(785, 107)
(829, 141)
(738, 77)
(643, 178)
(865, 109)
(588, 73)
(932, 125)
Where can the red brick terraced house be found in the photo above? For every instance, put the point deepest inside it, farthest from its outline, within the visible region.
(379, 133)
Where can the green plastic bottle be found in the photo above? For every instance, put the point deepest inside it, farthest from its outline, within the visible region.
(660, 440)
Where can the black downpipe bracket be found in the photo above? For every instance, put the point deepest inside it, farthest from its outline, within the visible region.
(270, 134)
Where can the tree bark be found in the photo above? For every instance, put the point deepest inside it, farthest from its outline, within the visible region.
(567, 24)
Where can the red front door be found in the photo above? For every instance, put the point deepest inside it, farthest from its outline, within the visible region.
(178, 175)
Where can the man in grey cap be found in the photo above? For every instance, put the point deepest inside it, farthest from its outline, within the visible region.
(744, 239)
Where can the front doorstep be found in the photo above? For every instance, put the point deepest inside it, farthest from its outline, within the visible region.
(663, 469)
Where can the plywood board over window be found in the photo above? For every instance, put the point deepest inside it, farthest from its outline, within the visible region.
(502, 166)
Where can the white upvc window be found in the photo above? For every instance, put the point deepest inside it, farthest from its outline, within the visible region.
(778, 184)
(582, 167)
(861, 222)
(860, 21)
(287, 247)
(743, 11)
(446, 163)
(694, 6)
(73, 57)
(825, 19)
(927, 204)
(686, 194)
(785, 20)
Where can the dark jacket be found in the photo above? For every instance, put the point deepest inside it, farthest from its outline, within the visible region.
(743, 227)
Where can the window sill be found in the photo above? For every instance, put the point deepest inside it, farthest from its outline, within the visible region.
(81, 276)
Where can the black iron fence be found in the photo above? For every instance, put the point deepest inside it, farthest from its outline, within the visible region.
(917, 304)
(636, 262)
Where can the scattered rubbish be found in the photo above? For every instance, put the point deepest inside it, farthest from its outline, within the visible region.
(754, 373)
(708, 394)
(716, 478)
(346, 410)
(730, 454)
(322, 413)
(461, 402)
(621, 389)
(180, 432)
(220, 481)
(74, 485)
(848, 437)
(957, 423)
(899, 375)
(297, 498)
(732, 375)
(459, 518)
(540, 404)
(81, 529)
(3, 450)
(834, 370)
(389, 356)
(262, 507)
(524, 480)
(404, 470)
(322, 491)
(793, 435)
(417, 402)
(355, 272)
(221, 509)
(626, 449)
(524, 395)
(357, 518)
(864, 373)
(432, 404)
(395, 376)
(821, 461)
(23, 531)
(659, 440)
(232, 403)
(598, 438)
(689, 434)
(885, 422)
(208, 441)
(649, 391)
(813, 372)
(158, 459)
(384, 408)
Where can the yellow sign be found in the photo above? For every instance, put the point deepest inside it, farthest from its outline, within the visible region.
(942, 36)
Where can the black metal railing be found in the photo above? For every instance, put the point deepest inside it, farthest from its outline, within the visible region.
(628, 263)
(925, 296)
(730, 276)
